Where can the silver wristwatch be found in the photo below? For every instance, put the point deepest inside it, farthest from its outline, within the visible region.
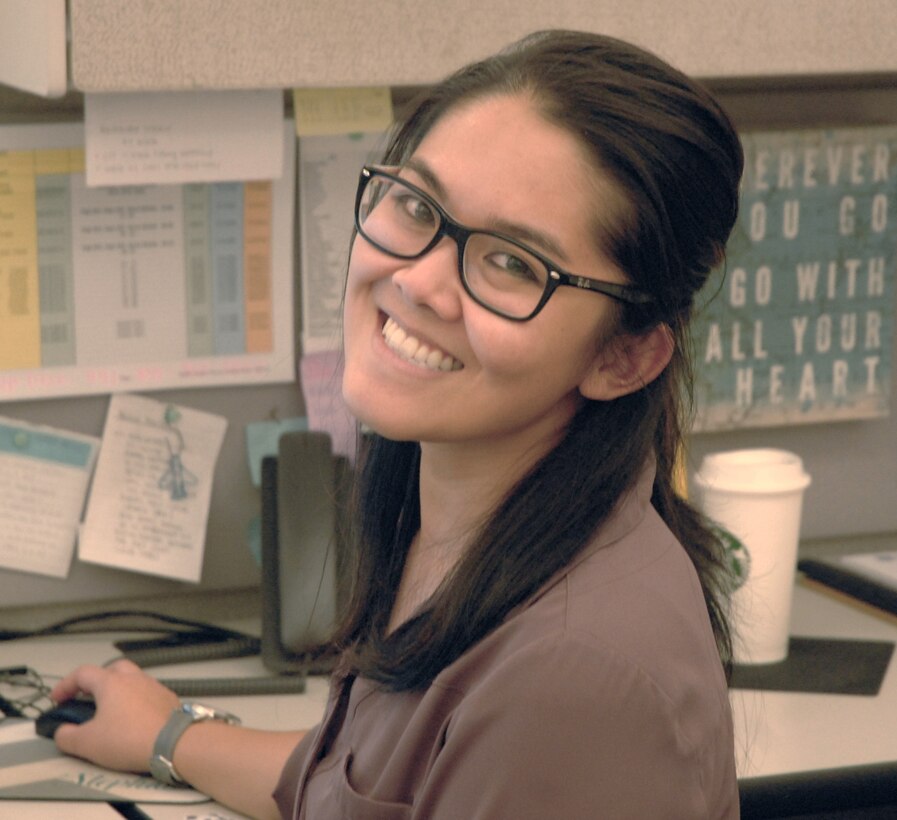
(160, 765)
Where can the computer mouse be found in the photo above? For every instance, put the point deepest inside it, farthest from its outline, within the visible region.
(76, 710)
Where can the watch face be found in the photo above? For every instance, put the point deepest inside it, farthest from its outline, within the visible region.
(199, 711)
(163, 771)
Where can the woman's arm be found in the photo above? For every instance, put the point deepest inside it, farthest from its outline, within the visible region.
(232, 764)
(237, 766)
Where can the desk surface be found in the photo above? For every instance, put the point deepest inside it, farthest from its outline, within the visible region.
(786, 732)
(777, 733)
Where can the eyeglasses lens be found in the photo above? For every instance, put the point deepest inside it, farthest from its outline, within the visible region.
(396, 218)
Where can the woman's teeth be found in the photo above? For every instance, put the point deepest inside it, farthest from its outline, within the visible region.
(413, 350)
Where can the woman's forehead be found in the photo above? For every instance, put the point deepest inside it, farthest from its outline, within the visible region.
(499, 157)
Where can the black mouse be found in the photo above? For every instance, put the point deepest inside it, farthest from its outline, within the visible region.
(76, 710)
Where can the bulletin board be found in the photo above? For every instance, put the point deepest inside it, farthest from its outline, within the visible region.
(800, 328)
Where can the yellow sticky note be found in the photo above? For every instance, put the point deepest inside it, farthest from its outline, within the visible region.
(341, 110)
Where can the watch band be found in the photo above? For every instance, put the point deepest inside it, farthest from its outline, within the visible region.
(161, 766)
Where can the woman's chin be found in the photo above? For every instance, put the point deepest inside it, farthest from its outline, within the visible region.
(371, 420)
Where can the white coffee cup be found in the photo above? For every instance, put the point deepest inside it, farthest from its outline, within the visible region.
(756, 495)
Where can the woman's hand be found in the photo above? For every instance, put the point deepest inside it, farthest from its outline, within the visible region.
(132, 708)
(237, 766)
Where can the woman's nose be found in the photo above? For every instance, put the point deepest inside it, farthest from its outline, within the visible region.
(432, 280)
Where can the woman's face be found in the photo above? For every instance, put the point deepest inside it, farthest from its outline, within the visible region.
(495, 164)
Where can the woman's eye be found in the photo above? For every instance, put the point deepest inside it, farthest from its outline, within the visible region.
(513, 265)
(416, 208)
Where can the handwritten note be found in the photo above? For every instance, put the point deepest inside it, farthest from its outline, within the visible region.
(43, 481)
(183, 136)
(149, 503)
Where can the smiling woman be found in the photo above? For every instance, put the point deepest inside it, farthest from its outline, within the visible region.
(537, 626)
(512, 394)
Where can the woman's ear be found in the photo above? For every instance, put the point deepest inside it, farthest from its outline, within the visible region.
(628, 362)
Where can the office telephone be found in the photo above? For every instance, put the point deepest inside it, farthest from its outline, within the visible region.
(303, 555)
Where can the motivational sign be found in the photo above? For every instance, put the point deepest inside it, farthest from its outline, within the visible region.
(800, 329)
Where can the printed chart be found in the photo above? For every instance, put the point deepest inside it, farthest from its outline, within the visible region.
(137, 287)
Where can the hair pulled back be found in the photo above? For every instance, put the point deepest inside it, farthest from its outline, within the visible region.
(676, 159)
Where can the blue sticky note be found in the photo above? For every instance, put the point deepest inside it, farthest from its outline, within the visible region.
(262, 439)
(254, 538)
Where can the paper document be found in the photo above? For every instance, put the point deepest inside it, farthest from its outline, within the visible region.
(138, 287)
(149, 503)
(322, 375)
(31, 768)
(263, 439)
(880, 566)
(183, 136)
(328, 176)
(203, 811)
(42, 809)
(44, 475)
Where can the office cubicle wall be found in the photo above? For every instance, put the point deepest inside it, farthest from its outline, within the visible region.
(853, 464)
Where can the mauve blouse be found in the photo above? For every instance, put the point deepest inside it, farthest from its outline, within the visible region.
(601, 697)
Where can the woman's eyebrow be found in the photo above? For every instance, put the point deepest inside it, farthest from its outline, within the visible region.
(530, 236)
(523, 233)
(427, 175)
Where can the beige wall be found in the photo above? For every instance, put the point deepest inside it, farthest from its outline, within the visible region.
(164, 44)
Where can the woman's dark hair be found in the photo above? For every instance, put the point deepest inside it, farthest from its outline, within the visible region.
(675, 157)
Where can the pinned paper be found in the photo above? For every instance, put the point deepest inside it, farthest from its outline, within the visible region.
(44, 475)
(183, 136)
(19, 305)
(149, 504)
(262, 439)
(322, 375)
(321, 111)
(138, 287)
(328, 179)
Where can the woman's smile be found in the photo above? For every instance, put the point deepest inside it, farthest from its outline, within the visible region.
(412, 349)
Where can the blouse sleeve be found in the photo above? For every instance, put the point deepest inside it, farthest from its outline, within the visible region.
(288, 783)
(563, 729)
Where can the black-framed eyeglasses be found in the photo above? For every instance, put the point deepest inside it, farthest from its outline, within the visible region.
(498, 272)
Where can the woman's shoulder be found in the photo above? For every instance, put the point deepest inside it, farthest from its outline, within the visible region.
(628, 619)
(650, 622)
(638, 596)
(641, 594)
(598, 720)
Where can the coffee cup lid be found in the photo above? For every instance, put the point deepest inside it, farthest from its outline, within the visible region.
(756, 470)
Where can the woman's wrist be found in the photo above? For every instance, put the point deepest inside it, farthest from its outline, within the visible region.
(161, 764)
